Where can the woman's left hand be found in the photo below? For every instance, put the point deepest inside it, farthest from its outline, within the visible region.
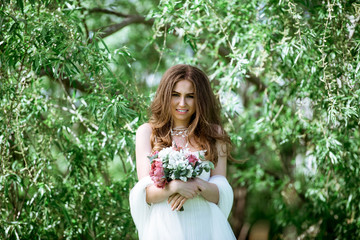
(177, 201)
(201, 184)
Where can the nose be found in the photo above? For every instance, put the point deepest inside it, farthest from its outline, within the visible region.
(182, 102)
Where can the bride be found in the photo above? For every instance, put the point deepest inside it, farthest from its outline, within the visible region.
(184, 112)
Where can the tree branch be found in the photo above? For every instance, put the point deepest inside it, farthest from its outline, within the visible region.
(256, 81)
(131, 19)
(128, 19)
(224, 52)
(84, 87)
(83, 20)
(107, 11)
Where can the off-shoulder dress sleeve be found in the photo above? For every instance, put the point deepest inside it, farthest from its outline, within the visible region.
(226, 194)
(155, 221)
(140, 210)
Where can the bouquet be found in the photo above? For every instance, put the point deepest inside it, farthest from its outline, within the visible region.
(176, 163)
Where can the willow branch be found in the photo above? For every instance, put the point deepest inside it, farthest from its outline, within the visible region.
(133, 19)
(224, 52)
(83, 20)
(84, 87)
(107, 11)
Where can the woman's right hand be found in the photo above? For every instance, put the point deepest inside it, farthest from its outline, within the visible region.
(187, 189)
(176, 201)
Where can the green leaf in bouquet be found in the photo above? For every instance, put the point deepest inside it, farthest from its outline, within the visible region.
(166, 171)
(153, 157)
(199, 171)
(202, 157)
(211, 165)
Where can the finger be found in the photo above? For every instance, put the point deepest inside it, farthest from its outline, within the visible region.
(181, 204)
(172, 197)
(196, 193)
(176, 203)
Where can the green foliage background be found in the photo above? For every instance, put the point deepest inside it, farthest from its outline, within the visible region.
(77, 78)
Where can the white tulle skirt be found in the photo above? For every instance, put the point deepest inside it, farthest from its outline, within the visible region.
(199, 220)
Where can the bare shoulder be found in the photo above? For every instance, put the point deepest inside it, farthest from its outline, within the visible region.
(221, 147)
(143, 149)
(144, 129)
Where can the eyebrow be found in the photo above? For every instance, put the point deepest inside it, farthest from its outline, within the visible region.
(179, 93)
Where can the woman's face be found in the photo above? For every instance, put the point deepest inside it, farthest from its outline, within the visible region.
(182, 103)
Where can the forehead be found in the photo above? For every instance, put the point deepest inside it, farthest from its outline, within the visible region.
(184, 86)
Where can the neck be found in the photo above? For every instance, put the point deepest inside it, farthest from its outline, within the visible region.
(180, 127)
(180, 124)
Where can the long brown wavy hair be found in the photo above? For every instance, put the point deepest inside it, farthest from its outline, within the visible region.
(205, 126)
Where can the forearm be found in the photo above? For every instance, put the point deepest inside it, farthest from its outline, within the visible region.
(155, 194)
(187, 189)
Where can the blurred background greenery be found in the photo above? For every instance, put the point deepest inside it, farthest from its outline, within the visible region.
(77, 77)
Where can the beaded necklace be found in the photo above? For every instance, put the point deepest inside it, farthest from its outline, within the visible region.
(179, 136)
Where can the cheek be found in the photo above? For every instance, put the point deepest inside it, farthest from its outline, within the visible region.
(192, 104)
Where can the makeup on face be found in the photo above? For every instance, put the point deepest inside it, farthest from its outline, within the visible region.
(182, 102)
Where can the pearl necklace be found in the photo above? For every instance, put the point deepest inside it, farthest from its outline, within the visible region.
(179, 131)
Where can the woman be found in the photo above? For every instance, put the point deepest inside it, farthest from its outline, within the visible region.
(184, 112)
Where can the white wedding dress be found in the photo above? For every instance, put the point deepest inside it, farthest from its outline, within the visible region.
(200, 220)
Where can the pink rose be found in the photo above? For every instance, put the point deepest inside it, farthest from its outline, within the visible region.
(192, 159)
(157, 173)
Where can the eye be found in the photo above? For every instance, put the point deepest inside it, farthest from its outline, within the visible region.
(190, 96)
(175, 95)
